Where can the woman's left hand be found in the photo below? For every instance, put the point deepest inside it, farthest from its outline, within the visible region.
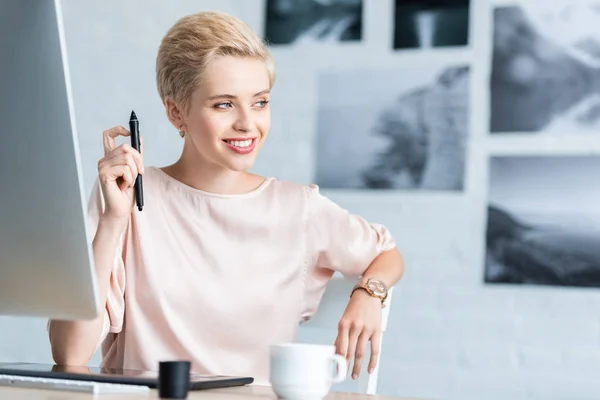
(360, 324)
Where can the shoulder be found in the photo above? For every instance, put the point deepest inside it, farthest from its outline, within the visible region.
(304, 198)
(311, 192)
(285, 188)
(287, 197)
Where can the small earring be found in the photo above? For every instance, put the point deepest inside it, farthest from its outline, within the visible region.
(181, 133)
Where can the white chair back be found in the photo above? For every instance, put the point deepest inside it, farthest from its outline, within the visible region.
(322, 329)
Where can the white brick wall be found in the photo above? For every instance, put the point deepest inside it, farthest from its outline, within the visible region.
(450, 336)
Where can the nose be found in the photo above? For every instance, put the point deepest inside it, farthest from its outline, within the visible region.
(243, 122)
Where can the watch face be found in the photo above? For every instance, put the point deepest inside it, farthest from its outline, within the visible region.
(379, 288)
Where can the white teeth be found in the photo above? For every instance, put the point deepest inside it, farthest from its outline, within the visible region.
(238, 143)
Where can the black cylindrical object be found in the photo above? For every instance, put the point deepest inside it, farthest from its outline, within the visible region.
(134, 132)
(173, 379)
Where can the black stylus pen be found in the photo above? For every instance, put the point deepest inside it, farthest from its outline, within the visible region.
(134, 130)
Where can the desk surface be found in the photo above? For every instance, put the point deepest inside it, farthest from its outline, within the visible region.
(237, 393)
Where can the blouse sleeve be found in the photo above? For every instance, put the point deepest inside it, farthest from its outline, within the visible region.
(342, 241)
(115, 301)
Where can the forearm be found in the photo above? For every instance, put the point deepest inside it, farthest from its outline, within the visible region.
(74, 342)
(388, 266)
(362, 320)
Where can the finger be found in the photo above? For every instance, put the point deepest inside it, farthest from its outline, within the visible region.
(142, 148)
(375, 343)
(125, 149)
(141, 158)
(113, 173)
(126, 159)
(127, 179)
(121, 149)
(129, 160)
(108, 137)
(352, 341)
(137, 158)
(341, 342)
(359, 354)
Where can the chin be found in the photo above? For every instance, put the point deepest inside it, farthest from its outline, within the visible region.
(239, 165)
(240, 162)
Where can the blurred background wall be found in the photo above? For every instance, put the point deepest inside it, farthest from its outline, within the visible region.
(469, 128)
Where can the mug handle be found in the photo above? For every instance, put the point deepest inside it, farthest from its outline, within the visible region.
(342, 368)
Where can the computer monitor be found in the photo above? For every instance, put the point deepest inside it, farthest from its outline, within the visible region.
(46, 262)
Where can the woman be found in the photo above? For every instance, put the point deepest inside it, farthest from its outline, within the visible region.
(221, 262)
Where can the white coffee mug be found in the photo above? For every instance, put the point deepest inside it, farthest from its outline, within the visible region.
(301, 371)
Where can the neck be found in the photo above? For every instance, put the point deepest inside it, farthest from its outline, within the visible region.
(203, 175)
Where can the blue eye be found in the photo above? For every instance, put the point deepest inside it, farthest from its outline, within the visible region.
(223, 106)
(262, 103)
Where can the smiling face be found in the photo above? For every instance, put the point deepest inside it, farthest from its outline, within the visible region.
(229, 116)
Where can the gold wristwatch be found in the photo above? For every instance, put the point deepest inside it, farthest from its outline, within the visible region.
(375, 288)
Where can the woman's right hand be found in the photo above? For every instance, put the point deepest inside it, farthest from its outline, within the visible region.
(117, 172)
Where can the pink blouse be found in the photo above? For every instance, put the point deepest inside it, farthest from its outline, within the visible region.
(215, 279)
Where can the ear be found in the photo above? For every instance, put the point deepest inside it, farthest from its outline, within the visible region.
(174, 114)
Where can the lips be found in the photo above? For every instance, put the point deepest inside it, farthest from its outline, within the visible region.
(240, 145)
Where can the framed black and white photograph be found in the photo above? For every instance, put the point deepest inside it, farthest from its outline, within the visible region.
(313, 21)
(378, 129)
(543, 224)
(545, 69)
(425, 24)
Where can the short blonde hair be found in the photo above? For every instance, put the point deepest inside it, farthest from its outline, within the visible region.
(193, 42)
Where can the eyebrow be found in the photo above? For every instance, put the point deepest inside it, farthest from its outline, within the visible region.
(230, 96)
